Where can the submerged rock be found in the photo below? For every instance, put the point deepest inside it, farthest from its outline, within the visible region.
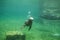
(56, 34)
(50, 17)
(15, 35)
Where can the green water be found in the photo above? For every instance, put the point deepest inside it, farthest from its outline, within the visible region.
(13, 14)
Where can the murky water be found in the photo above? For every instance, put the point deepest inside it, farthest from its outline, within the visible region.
(13, 14)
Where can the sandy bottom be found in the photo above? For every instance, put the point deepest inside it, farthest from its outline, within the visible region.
(14, 26)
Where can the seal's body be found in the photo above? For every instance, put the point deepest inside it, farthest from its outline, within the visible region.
(28, 23)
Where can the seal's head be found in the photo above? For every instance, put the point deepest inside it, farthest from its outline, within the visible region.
(31, 18)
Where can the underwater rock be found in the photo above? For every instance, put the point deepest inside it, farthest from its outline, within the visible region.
(56, 34)
(50, 17)
(12, 35)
